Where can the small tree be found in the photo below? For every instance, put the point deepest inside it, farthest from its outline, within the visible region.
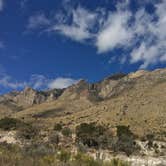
(54, 138)
(58, 126)
(66, 131)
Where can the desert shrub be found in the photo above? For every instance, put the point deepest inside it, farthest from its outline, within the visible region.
(54, 138)
(28, 132)
(125, 142)
(58, 126)
(82, 159)
(117, 162)
(90, 134)
(124, 130)
(150, 137)
(10, 123)
(66, 131)
(38, 150)
(98, 136)
(45, 155)
(85, 160)
(64, 156)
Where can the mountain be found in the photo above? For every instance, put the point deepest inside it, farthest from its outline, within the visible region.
(123, 114)
(137, 99)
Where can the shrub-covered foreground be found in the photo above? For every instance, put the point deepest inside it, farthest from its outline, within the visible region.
(100, 137)
(40, 148)
(44, 155)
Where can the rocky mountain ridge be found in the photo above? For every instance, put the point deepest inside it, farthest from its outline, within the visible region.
(29, 97)
(119, 97)
(94, 92)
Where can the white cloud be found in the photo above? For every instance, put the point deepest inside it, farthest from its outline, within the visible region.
(143, 34)
(82, 21)
(61, 83)
(1, 5)
(38, 21)
(36, 81)
(72, 32)
(146, 29)
(115, 32)
(152, 48)
(6, 81)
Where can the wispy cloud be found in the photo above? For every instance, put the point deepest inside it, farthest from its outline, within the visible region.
(114, 33)
(1, 4)
(23, 4)
(38, 21)
(7, 81)
(82, 21)
(2, 45)
(142, 33)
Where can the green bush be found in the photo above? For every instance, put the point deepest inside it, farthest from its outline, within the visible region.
(66, 131)
(117, 162)
(58, 127)
(28, 132)
(54, 138)
(89, 129)
(46, 155)
(85, 160)
(10, 123)
(125, 142)
(90, 134)
(124, 130)
(64, 156)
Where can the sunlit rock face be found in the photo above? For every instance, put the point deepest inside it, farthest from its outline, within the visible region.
(29, 97)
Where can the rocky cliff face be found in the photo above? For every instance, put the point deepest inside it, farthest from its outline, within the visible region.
(29, 97)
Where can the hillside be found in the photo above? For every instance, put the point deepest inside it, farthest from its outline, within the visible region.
(136, 100)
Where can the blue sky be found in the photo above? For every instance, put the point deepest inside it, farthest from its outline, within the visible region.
(53, 44)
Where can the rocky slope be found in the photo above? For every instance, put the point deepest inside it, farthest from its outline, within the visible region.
(137, 99)
(17, 101)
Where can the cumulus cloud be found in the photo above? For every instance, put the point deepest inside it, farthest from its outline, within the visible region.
(36, 81)
(61, 83)
(142, 33)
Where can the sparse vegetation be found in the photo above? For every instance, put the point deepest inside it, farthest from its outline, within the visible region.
(125, 141)
(97, 136)
(66, 131)
(54, 138)
(58, 126)
(50, 133)
(43, 155)
(10, 123)
(28, 132)
(90, 134)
